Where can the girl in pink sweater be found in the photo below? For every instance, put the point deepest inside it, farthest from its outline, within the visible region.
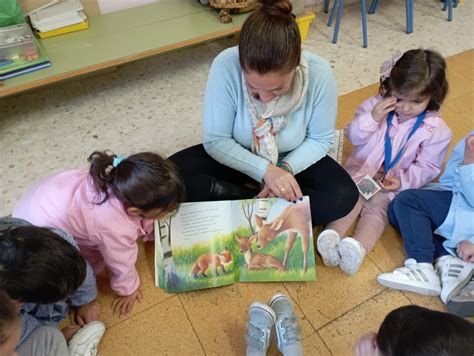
(400, 141)
(106, 209)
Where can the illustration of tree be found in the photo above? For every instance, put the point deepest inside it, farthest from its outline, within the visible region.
(165, 237)
(247, 208)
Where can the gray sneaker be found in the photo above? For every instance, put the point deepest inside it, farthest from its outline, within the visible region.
(286, 326)
(463, 303)
(259, 329)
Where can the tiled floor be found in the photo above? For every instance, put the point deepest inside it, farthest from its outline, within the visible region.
(157, 103)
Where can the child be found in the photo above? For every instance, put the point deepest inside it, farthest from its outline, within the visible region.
(413, 330)
(400, 141)
(262, 317)
(434, 222)
(10, 326)
(106, 209)
(43, 273)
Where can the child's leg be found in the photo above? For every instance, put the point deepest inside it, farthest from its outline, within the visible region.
(373, 221)
(45, 340)
(343, 224)
(416, 213)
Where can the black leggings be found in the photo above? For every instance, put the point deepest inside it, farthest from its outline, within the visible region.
(331, 190)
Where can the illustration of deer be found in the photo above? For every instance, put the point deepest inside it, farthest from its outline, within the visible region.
(257, 260)
(211, 259)
(296, 220)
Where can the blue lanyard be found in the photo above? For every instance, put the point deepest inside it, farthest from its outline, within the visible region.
(388, 144)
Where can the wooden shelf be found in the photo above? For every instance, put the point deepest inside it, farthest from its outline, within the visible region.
(125, 36)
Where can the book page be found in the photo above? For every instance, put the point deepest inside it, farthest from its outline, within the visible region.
(262, 228)
(196, 242)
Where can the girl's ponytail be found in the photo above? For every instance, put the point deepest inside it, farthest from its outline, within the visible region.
(102, 173)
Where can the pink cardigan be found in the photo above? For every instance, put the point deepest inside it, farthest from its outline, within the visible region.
(423, 154)
(68, 201)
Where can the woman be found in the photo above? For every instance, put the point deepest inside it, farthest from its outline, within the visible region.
(269, 117)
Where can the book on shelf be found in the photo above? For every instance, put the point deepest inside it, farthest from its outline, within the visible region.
(212, 244)
(58, 17)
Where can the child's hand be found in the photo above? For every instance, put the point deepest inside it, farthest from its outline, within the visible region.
(69, 331)
(469, 150)
(383, 107)
(366, 345)
(390, 183)
(465, 251)
(124, 305)
(87, 313)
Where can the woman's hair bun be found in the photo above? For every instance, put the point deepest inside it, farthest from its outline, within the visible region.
(276, 7)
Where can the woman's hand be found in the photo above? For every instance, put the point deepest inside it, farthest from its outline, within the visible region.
(281, 183)
(87, 313)
(465, 251)
(383, 107)
(124, 305)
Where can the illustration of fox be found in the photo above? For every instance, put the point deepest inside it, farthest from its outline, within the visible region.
(216, 260)
(257, 260)
(296, 220)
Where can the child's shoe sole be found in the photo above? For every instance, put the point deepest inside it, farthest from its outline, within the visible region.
(352, 255)
(328, 247)
(87, 339)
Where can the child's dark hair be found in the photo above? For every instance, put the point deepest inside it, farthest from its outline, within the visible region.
(8, 316)
(421, 72)
(38, 266)
(414, 330)
(144, 180)
(270, 40)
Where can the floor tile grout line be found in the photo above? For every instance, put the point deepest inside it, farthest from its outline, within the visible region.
(299, 307)
(192, 326)
(132, 316)
(352, 309)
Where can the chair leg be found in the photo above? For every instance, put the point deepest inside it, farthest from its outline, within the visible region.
(363, 10)
(450, 10)
(409, 16)
(326, 6)
(338, 20)
(371, 7)
(333, 12)
(445, 5)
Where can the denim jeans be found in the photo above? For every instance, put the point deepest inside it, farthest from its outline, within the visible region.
(417, 213)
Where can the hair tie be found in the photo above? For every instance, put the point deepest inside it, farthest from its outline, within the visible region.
(387, 66)
(117, 161)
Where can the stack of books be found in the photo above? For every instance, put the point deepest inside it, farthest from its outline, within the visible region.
(20, 52)
(58, 17)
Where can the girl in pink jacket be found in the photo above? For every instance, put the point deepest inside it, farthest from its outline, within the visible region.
(106, 209)
(400, 141)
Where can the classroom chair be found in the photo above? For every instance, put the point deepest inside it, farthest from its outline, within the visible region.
(337, 11)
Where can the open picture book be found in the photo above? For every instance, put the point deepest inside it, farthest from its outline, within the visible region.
(211, 244)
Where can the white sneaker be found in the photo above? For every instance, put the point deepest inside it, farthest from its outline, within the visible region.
(86, 341)
(352, 254)
(454, 274)
(328, 247)
(414, 277)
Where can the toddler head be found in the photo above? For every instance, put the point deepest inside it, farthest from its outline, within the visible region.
(10, 327)
(145, 183)
(38, 266)
(417, 79)
(414, 330)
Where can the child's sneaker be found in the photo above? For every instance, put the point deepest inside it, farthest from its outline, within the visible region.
(328, 247)
(414, 277)
(86, 341)
(463, 303)
(352, 255)
(259, 329)
(286, 326)
(454, 274)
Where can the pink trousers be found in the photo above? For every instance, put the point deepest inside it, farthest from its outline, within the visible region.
(372, 223)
